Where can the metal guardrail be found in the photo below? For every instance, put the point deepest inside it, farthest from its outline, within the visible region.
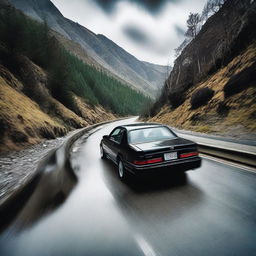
(229, 150)
(242, 157)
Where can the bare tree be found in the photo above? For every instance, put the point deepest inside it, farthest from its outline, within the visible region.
(192, 24)
(206, 12)
(196, 21)
(211, 7)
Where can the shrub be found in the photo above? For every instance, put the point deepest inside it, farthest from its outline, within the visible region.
(201, 97)
(253, 115)
(240, 81)
(18, 137)
(223, 109)
(72, 122)
(4, 127)
(176, 99)
(195, 118)
(21, 119)
(29, 131)
(59, 132)
(46, 132)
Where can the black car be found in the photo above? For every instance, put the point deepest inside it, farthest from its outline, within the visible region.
(144, 147)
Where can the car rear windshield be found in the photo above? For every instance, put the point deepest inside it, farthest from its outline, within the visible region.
(150, 134)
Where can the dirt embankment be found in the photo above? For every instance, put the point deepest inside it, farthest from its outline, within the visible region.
(28, 112)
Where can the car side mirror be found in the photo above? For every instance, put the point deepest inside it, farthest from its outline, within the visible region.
(105, 137)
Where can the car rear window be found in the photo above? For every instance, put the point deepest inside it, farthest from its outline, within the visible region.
(150, 134)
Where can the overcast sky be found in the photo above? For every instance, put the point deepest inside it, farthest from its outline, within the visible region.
(148, 29)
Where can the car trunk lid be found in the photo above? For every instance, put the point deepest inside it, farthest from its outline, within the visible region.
(166, 145)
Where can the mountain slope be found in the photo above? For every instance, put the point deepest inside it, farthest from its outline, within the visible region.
(212, 87)
(45, 91)
(144, 77)
(24, 120)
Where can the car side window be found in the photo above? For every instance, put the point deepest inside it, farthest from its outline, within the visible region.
(117, 135)
(115, 132)
(120, 136)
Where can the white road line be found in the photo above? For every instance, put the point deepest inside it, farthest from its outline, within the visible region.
(240, 166)
(145, 246)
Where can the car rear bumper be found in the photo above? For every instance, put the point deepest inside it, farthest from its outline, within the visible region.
(181, 165)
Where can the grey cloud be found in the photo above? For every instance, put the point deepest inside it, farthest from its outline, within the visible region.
(137, 35)
(152, 6)
(133, 33)
(107, 5)
(140, 37)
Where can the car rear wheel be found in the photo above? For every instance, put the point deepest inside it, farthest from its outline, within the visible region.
(121, 171)
(102, 153)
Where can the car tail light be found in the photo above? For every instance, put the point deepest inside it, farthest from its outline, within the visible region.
(188, 154)
(150, 161)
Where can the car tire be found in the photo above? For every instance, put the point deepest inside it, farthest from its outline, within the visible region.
(102, 153)
(122, 171)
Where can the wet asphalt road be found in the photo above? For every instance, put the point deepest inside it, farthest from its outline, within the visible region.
(210, 211)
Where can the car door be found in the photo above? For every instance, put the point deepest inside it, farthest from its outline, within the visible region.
(108, 142)
(115, 139)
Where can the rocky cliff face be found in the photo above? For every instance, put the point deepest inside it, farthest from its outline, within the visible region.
(147, 78)
(212, 87)
(222, 37)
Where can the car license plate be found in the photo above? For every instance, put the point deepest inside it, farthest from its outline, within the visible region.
(170, 156)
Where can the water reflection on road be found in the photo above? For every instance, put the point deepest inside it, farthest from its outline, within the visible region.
(210, 211)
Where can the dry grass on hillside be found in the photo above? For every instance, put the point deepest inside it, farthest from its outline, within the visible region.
(24, 122)
(21, 120)
(92, 114)
(239, 114)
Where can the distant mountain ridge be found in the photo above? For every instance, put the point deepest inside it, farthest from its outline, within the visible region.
(45, 91)
(146, 77)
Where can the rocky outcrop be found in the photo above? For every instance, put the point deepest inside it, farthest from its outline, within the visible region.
(222, 37)
(211, 88)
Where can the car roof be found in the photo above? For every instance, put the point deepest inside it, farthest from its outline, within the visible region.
(136, 126)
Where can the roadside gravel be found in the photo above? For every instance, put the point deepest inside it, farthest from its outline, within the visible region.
(16, 167)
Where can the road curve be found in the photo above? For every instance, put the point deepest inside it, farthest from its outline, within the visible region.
(212, 211)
